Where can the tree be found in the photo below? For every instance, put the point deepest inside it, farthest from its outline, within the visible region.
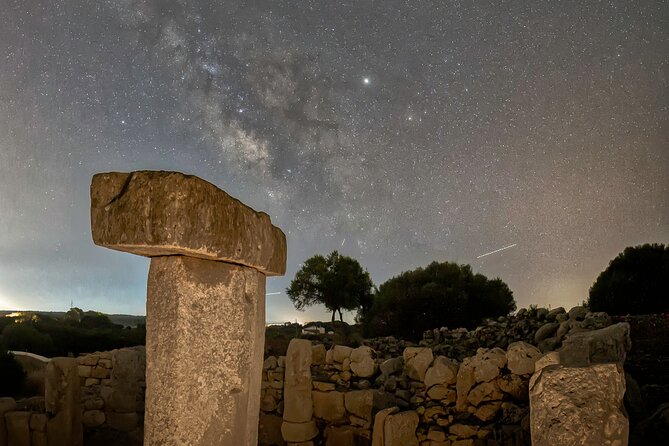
(12, 375)
(442, 294)
(336, 281)
(635, 282)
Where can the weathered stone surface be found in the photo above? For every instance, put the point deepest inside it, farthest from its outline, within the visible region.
(416, 362)
(329, 406)
(297, 432)
(362, 362)
(578, 313)
(63, 402)
(128, 372)
(7, 404)
(269, 363)
(18, 428)
(521, 357)
(546, 331)
(93, 418)
(606, 345)
(464, 383)
(487, 364)
(269, 430)
(444, 371)
(341, 436)
(392, 365)
(360, 403)
(154, 213)
(550, 358)
(578, 406)
(487, 412)
(340, 353)
(487, 391)
(38, 422)
(204, 347)
(442, 393)
(38, 438)
(379, 421)
(298, 407)
(318, 354)
(400, 429)
(513, 385)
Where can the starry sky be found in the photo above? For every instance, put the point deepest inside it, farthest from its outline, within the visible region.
(398, 132)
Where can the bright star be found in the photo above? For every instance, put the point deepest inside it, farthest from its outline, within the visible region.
(365, 81)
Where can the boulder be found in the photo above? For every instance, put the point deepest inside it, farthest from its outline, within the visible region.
(444, 371)
(607, 345)
(318, 354)
(578, 405)
(578, 313)
(360, 403)
(546, 331)
(362, 362)
(550, 358)
(487, 391)
(553, 314)
(379, 421)
(521, 357)
(513, 385)
(464, 383)
(329, 406)
(417, 360)
(298, 432)
(340, 353)
(487, 364)
(392, 365)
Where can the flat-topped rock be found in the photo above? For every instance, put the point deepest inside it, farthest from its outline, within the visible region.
(156, 213)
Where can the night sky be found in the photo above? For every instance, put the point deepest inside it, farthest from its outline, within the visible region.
(397, 132)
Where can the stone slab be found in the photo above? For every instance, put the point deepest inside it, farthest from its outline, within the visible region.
(156, 213)
(63, 402)
(578, 406)
(204, 345)
(298, 407)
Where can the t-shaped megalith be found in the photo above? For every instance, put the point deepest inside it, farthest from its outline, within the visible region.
(205, 310)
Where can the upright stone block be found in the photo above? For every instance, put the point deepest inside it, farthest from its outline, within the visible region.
(298, 407)
(206, 300)
(204, 343)
(578, 406)
(63, 402)
(18, 428)
(7, 404)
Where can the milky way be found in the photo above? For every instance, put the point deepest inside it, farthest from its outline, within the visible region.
(397, 132)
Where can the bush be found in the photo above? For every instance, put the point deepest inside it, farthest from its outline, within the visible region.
(442, 294)
(635, 282)
(12, 375)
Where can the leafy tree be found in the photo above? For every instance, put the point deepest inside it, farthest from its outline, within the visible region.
(442, 294)
(635, 282)
(336, 281)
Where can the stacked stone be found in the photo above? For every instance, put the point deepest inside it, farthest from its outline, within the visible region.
(113, 390)
(541, 327)
(271, 394)
(21, 424)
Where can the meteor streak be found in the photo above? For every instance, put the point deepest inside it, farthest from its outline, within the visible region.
(272, 294)
(497, 250)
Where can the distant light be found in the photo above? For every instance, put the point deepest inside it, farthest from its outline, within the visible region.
(365, 81)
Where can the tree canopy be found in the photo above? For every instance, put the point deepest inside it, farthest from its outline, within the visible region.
(635, 282)
(441, 294)
(338, 282)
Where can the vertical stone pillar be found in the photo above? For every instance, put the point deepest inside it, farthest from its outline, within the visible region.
(298, 425)
(210, 255)
(62, 399)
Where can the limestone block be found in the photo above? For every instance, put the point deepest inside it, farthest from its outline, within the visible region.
(155, 213)
(487, 391)
(318, 354)
(464, 383)
(104, 362)
(99, 372)
(550, 358)
(84, 371)
(323, 387)
(578, 406)
(521, 357)
(38, 422)
(416, 362)
(298, 406)
(392, 365)
(400, 429)
(89, 360)
(360, 403)
(93, 418)
(63, 402)
(269, 363)
(605, 345)
(329, 405)
(362, 362)
(444, 371)
(487, 363)
(341, 352)
(18, 428)
(91, 382)
(127, 374)
(297, 432)
(340, 436)
(204, 346)
(488, 411)
(379, 421)
(7, 404)
(442, 393)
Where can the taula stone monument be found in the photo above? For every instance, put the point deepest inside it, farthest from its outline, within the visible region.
(205, 310)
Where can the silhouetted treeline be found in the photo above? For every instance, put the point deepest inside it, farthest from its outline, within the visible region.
(77, 332)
